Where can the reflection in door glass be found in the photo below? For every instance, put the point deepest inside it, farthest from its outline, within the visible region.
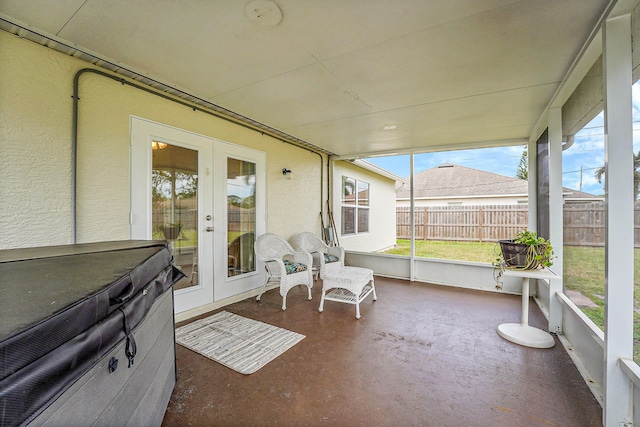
(241, 216)
(175, 206)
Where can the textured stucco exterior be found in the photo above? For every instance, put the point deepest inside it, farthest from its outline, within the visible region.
(35, 149)
(382, 220)
(35, 145)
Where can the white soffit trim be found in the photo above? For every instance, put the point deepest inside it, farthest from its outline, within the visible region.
(378, 170)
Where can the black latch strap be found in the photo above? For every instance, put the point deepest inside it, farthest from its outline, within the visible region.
(130, 349)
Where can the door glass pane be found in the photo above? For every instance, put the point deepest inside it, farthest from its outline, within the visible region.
(175, 206)
(241, 216)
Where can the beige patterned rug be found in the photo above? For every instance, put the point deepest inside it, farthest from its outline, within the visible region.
(242, 344)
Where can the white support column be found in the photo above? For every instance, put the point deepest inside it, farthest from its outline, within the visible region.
(618, 404)
(555, 216)
(412, 273)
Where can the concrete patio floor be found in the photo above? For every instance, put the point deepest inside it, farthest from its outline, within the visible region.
(421, 355)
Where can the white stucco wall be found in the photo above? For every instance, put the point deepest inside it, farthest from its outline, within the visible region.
(35, 147)
(382, 214)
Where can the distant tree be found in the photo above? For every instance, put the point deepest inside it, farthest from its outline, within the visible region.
(249, 202)
(599, 174)
(160, 185)
(186, 185)
(523, 167)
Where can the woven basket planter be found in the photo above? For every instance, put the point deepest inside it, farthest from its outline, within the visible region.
(519, 255)
(171, 232)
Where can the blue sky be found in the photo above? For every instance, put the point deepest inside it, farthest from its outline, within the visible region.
(587, 153)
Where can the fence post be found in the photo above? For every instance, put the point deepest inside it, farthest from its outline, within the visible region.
(426, 223)
(480, 223)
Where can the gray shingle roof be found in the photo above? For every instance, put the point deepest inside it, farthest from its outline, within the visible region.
(450, 180)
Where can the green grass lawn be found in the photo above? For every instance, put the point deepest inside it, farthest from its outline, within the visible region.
(465, 251)
(583, 271)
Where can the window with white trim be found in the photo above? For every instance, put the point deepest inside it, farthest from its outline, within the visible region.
(355, 206)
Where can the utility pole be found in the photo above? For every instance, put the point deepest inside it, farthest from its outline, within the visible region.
(580, 178)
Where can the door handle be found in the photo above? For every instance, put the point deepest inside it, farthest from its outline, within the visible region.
(209, 229)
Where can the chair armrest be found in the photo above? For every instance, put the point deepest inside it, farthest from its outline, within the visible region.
(303, 258)
(336, 251)
(318, 258)
(275, 268)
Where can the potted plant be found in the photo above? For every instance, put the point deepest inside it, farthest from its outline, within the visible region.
(171, 231)
(527, 251)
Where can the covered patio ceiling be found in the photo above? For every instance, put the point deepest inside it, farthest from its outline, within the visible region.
(354, 78)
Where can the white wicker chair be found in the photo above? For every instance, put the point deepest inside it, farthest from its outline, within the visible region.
(325, 258)
(273, 250)
(349, 285)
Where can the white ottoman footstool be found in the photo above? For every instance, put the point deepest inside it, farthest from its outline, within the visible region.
(350, 285)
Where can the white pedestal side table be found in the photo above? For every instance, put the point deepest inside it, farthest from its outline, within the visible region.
(521, 333)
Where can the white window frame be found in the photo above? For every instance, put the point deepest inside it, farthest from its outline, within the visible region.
(355, 205)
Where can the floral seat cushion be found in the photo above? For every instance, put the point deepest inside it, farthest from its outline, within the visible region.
(293, 267)
(330, 258)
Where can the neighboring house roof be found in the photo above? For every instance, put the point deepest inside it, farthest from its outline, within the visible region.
(568, 193)
(449, 180)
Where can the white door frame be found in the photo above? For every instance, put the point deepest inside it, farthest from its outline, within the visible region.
(229, 286)
(213, 283)
(142, 133)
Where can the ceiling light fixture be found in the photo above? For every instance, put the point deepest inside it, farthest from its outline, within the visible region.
(389, 127)
(156, 145)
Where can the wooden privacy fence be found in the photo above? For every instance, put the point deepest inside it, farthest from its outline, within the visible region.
(187, 218)
(487, 223)
(583, 223)
(238, 218)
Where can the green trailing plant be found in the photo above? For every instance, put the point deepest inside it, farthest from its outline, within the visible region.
(527, 251)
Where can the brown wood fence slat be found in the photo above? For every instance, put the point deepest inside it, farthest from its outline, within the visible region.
(583, 223)
(237, 218)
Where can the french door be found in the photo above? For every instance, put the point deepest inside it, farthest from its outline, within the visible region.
(171, 199)
(240, 216)
(206, 198)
